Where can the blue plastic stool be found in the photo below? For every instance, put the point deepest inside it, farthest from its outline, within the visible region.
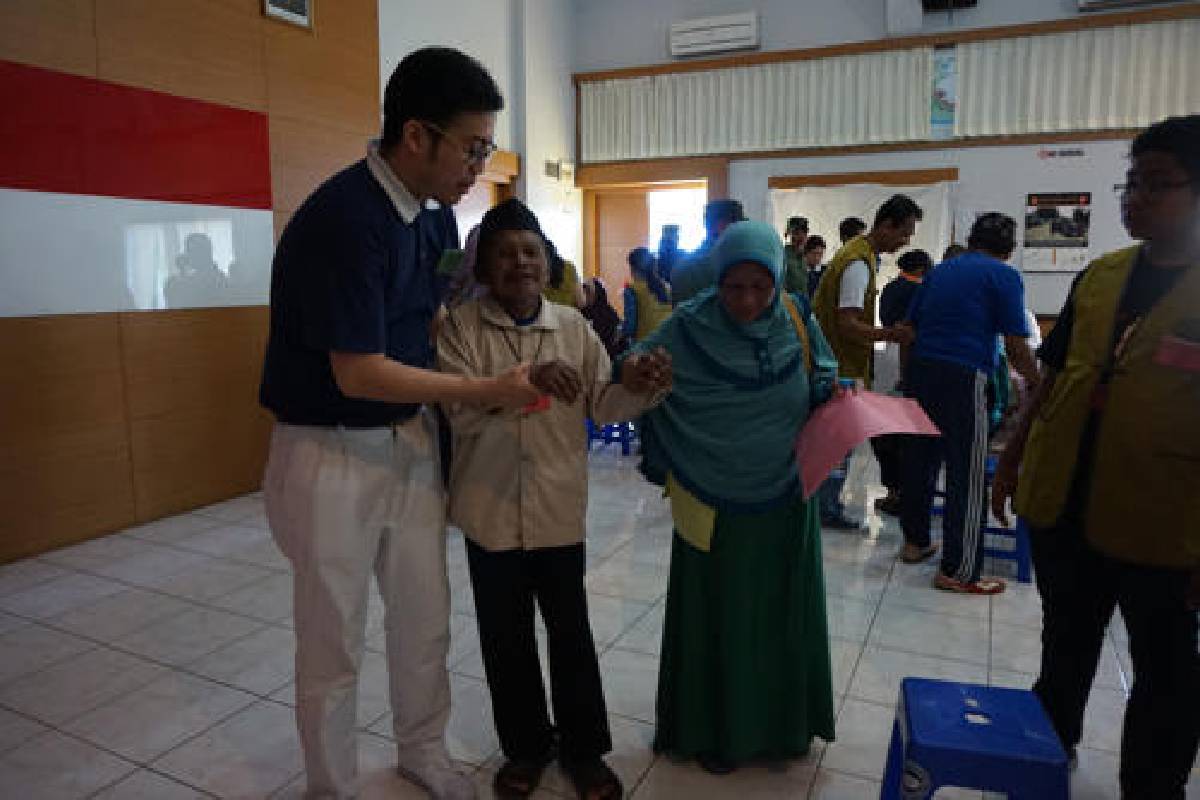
(1020, 553)
(622, 432)
(975, 737)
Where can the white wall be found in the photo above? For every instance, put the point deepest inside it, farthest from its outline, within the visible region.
(478, 27)
(526, 45)
(628, 33)
(549, 121)
(990, 179)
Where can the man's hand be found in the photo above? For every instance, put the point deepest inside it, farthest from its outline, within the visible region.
(903, 334)
(1004, 484)
(557, 379)
(647, 373)
(512, 388)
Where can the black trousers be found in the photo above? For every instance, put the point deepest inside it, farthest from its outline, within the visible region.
(506, 585)
(952, 395)
(1080, 587)
(889, 452)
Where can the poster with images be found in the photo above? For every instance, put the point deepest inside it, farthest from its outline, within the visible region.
(1056, 232)
(944, 97)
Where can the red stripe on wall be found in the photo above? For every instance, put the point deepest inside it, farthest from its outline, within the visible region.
(76, 135)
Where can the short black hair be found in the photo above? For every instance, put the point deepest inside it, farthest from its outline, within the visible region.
(718, 211)
(898, 209)
(850, 227)
(796, 223)
(436, 84)
(1179, 136)
(914, 261)
(953, 250)
(814, 243)
(994, 233)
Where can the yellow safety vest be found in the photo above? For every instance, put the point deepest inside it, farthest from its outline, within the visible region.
(855, 357)
(650, 311)
(1143, 504)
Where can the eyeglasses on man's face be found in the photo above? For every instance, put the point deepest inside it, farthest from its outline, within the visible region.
(476, 152)
(1150, 189)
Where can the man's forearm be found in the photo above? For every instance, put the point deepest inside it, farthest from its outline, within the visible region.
(1022, 359)
(377, 377)
(1016, 443)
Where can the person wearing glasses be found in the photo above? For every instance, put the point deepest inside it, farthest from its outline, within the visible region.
(352, 484)
(1105, 468)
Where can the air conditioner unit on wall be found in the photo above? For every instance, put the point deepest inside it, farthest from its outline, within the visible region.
(1109, 5)
(694, 37)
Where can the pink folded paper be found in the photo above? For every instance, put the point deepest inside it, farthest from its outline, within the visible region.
(845, 422)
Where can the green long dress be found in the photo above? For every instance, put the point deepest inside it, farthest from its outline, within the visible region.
(745, 670)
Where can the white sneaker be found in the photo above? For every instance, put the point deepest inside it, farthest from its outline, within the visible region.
(437, 775)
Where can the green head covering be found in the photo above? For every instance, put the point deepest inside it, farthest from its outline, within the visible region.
(742, 390)
(749, 241)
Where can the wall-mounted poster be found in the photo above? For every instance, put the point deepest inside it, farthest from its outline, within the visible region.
(944, 98)
(1056, 232)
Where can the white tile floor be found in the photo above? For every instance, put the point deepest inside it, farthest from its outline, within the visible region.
(156, 663)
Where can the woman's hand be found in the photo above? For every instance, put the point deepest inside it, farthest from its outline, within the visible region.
(647, 373)
(558, 379)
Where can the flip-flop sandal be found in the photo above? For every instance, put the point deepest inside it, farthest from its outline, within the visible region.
(981, 586)
(519, 779)
(593, 779)
(922, 555)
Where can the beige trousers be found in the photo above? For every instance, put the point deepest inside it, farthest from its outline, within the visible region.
(343, 503)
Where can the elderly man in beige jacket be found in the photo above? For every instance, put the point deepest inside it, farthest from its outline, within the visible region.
(518, 490)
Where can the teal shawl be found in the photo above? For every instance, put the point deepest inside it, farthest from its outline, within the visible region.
(742, 391)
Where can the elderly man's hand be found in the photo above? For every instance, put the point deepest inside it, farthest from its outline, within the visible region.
(558, 379)
(647, 373)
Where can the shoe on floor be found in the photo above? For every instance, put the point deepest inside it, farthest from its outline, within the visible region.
(981, 586)
(435, 773)
(593, 779)
(889, 505)
(840, 523)
(911, 554)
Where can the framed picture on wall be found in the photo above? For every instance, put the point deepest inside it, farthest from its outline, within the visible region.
(297, 12)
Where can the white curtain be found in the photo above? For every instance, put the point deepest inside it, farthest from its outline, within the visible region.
(845, 100)
(1120, 77)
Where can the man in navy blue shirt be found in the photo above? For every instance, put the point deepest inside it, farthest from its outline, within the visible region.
(961, 308)
(353, 485)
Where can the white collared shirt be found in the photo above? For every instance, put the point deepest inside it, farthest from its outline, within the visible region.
(407, 205)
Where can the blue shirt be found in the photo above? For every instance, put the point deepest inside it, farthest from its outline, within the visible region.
(350, 275)
(963, 305)
(694, 274)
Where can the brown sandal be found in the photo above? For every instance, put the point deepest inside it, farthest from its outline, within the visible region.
(519, 779)
(593, 779)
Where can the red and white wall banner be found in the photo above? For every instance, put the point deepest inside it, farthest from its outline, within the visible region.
(114, 198)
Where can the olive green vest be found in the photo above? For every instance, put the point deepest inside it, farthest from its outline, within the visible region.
(855, 357)
(1144, 497)
(650, 311)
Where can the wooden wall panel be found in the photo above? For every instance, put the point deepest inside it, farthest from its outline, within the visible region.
(64, 455)
(55, 34)
(205, 49)
(197, 432)
(621, 225)
(305, 154)
(331, 74)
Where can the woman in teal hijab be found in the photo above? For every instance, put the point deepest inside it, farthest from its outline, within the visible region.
(745, 671)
